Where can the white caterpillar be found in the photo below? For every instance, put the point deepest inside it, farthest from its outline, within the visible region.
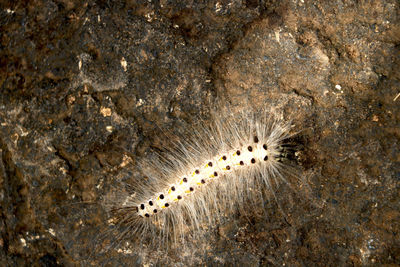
(223, 167)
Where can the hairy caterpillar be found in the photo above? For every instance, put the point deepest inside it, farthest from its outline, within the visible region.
(228, 165)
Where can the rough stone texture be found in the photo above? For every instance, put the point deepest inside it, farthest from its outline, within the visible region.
(87, 87)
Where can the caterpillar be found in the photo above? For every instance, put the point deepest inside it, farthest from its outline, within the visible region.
(230, 164)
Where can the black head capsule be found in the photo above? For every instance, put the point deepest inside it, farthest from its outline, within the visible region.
(265, 158)
(253, 160)
(173, 188)
(161, 196)
(224, 157)
(155, 211)
(265, 146)
(166, 205)
(185, 180)
(210, 164)
(151, 203)
(241, 162)
(179, 197)
(255, 139)
(191, 189)
(215, 173)
(203, 181)
(147, 215)
(228, 167)
(142, 206)
(238, 152)
(197, 171)
(250, 148)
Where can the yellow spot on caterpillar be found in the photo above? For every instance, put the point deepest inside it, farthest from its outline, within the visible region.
(163, 207)
(169, 191)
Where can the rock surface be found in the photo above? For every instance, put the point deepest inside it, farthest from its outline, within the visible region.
(86, 87)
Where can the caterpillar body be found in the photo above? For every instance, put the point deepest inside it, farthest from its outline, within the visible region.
(227, 165)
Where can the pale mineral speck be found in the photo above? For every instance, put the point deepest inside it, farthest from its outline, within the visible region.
(124, 64)
(140, 102)
(23, 241)
(396, 97)
(277, 37)
(218, 7)
(109, 129)
(106, 112)
(125, 161)
(52, 232)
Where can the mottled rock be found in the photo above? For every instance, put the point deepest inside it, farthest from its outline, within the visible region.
(88, 88)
